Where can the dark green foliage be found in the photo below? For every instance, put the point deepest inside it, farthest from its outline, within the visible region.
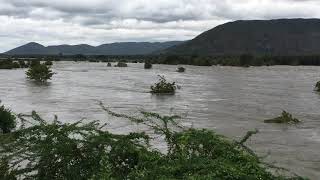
(33, 63)
(109, 64)
(39, 72)
(10, 64)
(246, 60)
(22, 64)
(48, 63)
(121, 64)
(87, 151)
(181, 69)
(7, 120)
(147, 65)
(284, 118)
(163, 87)
(318, 86)
(5, 172)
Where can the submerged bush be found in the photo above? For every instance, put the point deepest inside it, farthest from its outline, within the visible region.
(284, 118)
(147, 65)
(163, 87)
(181, 69)
(9, 64)
(317, 88)
(22, 64)
(48, 63)
(7, 120)
(39, 73)
(121, 64)
(87, 151)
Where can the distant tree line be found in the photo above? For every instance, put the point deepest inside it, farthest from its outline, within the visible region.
(226, 60)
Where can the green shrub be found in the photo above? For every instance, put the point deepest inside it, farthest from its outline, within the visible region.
(181, 69)
(22, 64)
(7, 64)
(318, 86)
(48, 63)
(147, 65)
(39, 73)
(163, 87)
(246, 60)
(109, 64)
(121, 64)
(284, 118)
(7, 120)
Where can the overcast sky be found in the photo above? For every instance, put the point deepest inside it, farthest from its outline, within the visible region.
(52, 22)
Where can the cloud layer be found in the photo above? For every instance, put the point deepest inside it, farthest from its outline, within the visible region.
(102, 21)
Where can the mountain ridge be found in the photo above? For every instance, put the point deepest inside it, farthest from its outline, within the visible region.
(118, 48)
(258, 37)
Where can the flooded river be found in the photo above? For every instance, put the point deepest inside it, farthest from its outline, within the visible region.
(228, 100)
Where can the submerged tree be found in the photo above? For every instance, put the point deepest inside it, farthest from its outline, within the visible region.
(163, 87)
(147, 65)
(48, 63)
(284, 118)
(318, 86)
(39, 73)
(181, 69)
(7, 120)
(121, 64)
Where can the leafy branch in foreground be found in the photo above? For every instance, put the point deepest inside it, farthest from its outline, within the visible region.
(42, 150)
(7, 120)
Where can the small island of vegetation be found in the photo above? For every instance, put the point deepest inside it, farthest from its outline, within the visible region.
(181, 69)
(163, 87)
(147, 65)
(317, 88)
(39, 72)
(285, 118)
(121, 64)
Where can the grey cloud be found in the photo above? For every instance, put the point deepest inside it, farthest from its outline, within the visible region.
(101, 21)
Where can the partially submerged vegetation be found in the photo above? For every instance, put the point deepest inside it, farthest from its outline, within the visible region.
(181, 69)
(39, 72)
(39, 149)
(48, 63)
(147, 65)
(317, 88)
(10, 64)
(121, 64)
(163, 87)
(7, 120)
(285, 118)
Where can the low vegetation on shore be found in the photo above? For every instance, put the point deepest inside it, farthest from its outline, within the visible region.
(40, 148)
